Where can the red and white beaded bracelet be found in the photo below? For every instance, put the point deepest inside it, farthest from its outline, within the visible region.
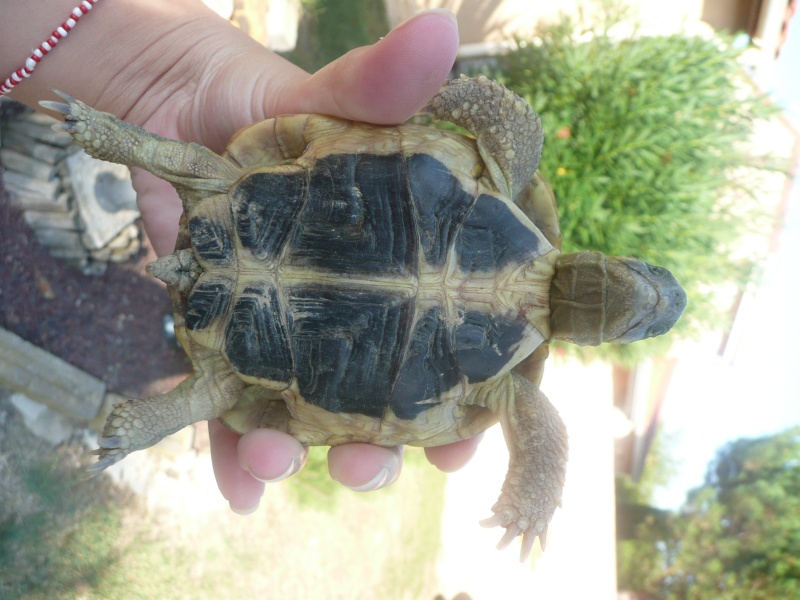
(46, 46)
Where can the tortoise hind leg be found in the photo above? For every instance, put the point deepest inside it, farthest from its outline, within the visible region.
(107, 137)
(537, 445)
(139, 423)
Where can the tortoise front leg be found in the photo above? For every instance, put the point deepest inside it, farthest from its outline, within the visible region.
(532, 368)
(537, 444)
(139, 423)
(107, 137)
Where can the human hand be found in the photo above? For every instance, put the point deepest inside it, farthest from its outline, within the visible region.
(383, 83)
(182, 72)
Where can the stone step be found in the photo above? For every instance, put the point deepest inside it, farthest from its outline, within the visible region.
(39, 219)
(26, 145)
(49, 425)
(24, 186)
(37, 117)
(75, 255)
(47, 379)
(27, 165)
(58, 238)
(38, 127)
(105, 198)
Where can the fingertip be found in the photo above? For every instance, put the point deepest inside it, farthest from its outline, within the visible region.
(364, 467)
(236, 485)
(409, 65)
(439, 25)
(249, 510)
(453, 457)
(391, 80)
(270, 455)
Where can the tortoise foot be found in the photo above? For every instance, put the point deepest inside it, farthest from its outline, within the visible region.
(106, 137)
(100, 134)
(532, 489)
(135, 425)
(516, 525)
(109, 453)
(127, 429)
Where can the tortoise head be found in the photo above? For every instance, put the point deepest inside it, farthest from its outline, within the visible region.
(596, 298)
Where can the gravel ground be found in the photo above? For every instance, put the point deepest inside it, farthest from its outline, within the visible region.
(108, 325)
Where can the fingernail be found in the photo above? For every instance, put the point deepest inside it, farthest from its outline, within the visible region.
(293, 467)
(245, 511)
(439, 11)
(373, 484)
(435, 11)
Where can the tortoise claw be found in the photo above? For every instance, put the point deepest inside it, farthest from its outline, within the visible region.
(65, 96)
(107, 458)
(109, 451)
(495, 520)
(542, 537)
(527, 546)
(514, 530)
(110, 443)
(60, 107)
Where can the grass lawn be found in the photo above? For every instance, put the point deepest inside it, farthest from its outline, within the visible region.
(310, 538)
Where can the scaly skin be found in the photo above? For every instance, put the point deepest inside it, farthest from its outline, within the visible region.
(538, 448)
(106, 137)
(509, 133)
(139, 423)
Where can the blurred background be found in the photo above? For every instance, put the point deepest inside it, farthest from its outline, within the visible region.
(671, 135)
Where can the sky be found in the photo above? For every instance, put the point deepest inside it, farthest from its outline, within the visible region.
(754, 390)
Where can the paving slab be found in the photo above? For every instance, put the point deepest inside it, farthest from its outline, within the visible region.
(48, 379)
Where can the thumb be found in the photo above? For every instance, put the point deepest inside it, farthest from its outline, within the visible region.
(388, 81)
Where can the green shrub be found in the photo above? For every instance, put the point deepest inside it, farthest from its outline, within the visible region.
(330, 28)
(645, 140)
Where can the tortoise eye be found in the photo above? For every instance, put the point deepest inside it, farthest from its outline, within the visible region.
(657, 271)
(656, 330)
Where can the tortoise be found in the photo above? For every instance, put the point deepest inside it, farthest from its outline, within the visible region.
(343, 282)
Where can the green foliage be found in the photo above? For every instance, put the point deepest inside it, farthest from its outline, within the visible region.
(66, 544)
(646, 138)
(641, 527)
(736, 538)
(740, 533)
(331, 28)
(88, 539)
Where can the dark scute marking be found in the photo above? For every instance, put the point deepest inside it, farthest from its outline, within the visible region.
(484, 343)
(429, 367)
(265, 206)
(358, 218)
(257, 340)
(347, 345)
(209, 300)
(493, 236)
(212, 241)
(441, 204)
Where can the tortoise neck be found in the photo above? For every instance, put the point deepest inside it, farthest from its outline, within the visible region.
(578, 298)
